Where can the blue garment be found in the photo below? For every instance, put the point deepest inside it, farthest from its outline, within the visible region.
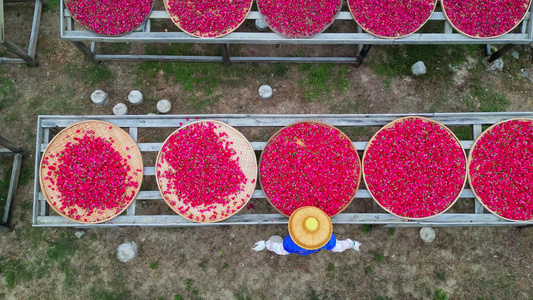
(290, 246)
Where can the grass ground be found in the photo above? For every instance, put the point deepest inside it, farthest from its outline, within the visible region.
(217, 263)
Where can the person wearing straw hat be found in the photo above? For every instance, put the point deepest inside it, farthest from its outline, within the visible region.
(310, 230)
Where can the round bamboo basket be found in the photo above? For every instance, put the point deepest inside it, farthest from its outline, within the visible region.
(392, 124)
(100, 34)
(219, 212)
(102, 129)
(268, 21)
(470, 161)
(481, 37)
(176, 21)
(325, 125)
(390, 37)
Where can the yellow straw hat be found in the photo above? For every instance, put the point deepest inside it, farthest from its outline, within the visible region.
(310, 227)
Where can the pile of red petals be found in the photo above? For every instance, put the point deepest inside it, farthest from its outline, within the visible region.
(110, 17)
(414, 168)
(485, 18)
(391, 19)
(501, 169)
(299, 18)
(203, 170)
(91, 177)
(208, 18)
(309, 164)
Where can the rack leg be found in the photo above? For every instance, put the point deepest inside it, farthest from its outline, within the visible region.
(10, 146)
(225, 54)
(362, 54)
(87, 51)
(20, 53)
(15, 173)
(502, 51)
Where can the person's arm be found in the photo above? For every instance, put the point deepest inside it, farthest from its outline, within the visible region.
(344, 245)
(271, 246)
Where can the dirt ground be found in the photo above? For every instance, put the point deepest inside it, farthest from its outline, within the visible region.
(217, 262)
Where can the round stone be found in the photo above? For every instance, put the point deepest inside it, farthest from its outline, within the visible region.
(427, 234)
(260, 24)
(127, 251)
(265, 92)
(99, 97)
(120, 109)
(135, 97)
(164, 106)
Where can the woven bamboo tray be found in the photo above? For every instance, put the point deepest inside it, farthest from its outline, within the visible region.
(325, 125)
(299, 37)
(482, 37)
(392, 124)
(101, 129)
(100, 34)
(470, 161)
(390, 37)
(247, 162)
(176, 21)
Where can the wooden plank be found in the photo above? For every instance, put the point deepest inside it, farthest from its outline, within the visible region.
(258, 194)
(479, 218)
(20, 53)
(36, 24)
(277, 219)
(274, 38)
(12, 191)
(283, 120)
(36, 187)
(130, 211)
(343, 15)
(2, 28)
(477, 129)
(85, 50)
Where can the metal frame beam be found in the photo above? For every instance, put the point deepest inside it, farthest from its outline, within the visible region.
(145, 35)
(134, 216)
(24, 56)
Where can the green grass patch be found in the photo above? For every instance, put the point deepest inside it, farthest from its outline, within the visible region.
(368, 270)
(71, 280)
(397, 60)
(4, 189)
(440, 294)
(366, 228)
(62, 249)
(90, 73)
(330, 267)
(203, 264)
(320, 81)
(441, 276)
(489, 101)
(15, 271)
(391, 231)
(51, 6)
(8, 93)
(116, 48)
(169, 49)
(378, 257)
(462, 132)
(153, 265)
(201, 81)
(243, 294)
